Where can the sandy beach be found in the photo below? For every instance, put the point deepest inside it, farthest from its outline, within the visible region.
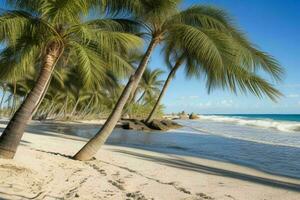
(42, 169)
(149, 100)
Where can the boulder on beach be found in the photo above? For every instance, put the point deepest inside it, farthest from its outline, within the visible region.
(158, 125)
(193, 116)
(135, 124)
(163, 125)
(171, 124)
(183, 115)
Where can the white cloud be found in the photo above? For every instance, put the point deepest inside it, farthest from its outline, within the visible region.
(204, 105)
(194, 97)
(226, 103)
(220, 104)
(295, 85)
(208, 104)
(293, 95)
(188, 97)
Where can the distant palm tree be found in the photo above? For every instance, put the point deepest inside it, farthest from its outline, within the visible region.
(44, 33)
(164, 24)
(239, 62)
(150, 84)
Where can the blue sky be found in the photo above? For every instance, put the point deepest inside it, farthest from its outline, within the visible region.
(273, 25)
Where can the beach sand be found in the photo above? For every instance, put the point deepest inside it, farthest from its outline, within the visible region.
(42, 169)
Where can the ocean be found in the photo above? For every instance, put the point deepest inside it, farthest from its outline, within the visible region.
(283, 122)
(269, 143)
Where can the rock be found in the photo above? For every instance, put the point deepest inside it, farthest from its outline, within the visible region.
(183, 116)
(135, 124)
(158, 125)
(171, 124)
(193, 116)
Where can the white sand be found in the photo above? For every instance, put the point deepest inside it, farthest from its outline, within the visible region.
(39, 172)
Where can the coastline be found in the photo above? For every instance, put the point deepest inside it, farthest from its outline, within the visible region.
(42, 170)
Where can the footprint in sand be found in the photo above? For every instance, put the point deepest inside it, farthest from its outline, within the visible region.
(136, 196)
(116, 184)
(204, 196)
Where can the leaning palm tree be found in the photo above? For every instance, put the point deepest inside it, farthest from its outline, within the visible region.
(41, 34)
(149, 87)
(163, 23)
(240, 62)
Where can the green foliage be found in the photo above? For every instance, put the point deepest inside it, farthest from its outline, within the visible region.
(141, 111)
(98, 55)
(210, 46)
(94, 44)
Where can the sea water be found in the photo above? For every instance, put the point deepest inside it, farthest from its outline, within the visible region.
(270, 143)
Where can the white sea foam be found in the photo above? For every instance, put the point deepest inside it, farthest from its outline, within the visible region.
(284, 126)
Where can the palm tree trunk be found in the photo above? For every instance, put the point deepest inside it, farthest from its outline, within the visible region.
(164, 89)
(13, 133)
(63, 108)
(2, 98)
(85, 110)
(52, 112)
(141, 97)
(91, 148)
(45, 112)
(75, 107)
(13, 105)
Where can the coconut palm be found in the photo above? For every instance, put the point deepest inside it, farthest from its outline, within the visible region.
(150, 84)
(163, 23)
(240, 71)
(40, 34)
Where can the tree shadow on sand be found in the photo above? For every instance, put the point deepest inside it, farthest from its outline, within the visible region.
(191, 166)
(28, 198)
(50, 130)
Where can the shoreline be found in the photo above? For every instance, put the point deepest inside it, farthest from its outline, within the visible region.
(42, 169)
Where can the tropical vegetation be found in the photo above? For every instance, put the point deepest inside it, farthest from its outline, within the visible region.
(40, 35)
(85, 59)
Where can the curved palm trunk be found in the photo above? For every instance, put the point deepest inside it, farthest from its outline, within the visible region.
(91, 148)
(141, 97)
(13, 105)
(13, 133)
(164, 89)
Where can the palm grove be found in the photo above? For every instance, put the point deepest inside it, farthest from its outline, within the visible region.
(89, 58)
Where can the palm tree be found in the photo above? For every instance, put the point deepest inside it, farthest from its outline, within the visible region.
(163, 24)
(150, 84)
(148, 88)
(44, 33)
(240, 71)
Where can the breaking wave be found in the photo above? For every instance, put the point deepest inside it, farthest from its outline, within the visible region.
(285, 126)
